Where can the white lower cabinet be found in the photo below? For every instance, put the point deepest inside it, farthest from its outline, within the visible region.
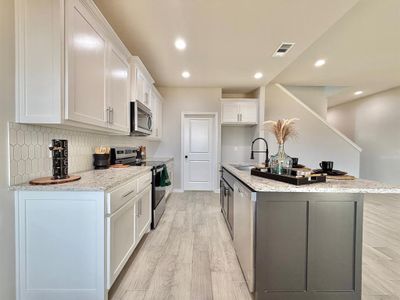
(121, 239)
(125, 228)
(73, 245)
(143, 213)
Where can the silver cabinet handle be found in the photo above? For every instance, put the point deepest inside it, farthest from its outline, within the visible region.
(111, 115)
(141, 206)
(108, 115)
(128, 193)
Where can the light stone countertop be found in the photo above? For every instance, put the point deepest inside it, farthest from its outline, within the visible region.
(94, 180)
(363, 186)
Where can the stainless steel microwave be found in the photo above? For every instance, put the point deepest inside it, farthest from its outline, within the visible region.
(141, 119)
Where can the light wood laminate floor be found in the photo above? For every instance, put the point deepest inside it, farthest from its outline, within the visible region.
(191, 255)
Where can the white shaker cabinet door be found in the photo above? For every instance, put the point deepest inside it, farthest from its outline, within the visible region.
(143, 213)
(117, 91)
(248, 112)
(121, 239)
(85, 63)
(230, 112)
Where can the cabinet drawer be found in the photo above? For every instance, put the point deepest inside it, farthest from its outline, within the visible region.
(117, 198)
(143, 182)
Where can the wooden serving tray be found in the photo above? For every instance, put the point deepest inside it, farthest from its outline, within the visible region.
(288, 178)
(341, 177)
(50, 180)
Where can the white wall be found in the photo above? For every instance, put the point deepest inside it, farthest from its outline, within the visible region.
(7, 274)
(176, 101)
(312, 96)
(373, 122)
(316, 140)
(236, 143)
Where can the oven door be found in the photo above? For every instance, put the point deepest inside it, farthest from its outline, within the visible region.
(141, 119)
(158, 191)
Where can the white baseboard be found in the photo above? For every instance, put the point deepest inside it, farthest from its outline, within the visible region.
(217, 191)
(177, 191)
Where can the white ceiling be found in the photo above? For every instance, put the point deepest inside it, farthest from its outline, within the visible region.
(227, 40)
(362, 52)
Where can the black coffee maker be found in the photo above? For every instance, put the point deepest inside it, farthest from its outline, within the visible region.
(59, 151)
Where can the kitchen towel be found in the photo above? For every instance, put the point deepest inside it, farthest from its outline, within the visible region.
(164, 180)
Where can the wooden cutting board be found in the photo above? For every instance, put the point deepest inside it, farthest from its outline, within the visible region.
(50, 180)
(342, 177)
(119, 166)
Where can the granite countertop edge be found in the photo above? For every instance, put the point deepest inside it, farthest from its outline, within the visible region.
(360, 186)
(163, 159)
(91, 181)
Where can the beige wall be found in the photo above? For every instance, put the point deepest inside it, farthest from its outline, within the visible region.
(7, 274)
(312, 96)
(316, 141)
(176, 101)
(373, 123)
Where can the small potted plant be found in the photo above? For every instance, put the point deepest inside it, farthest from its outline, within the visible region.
(284, 129)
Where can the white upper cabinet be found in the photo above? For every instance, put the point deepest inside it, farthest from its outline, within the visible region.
(141, 82)
(230, 112)
(86, 66)
(157, 109)
(248, 112)
(239, 112)
(118, 81)
(72, 68)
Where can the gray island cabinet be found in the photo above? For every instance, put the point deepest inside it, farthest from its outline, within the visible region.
(302, 242)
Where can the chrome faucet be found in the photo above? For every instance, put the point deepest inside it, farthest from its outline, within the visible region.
(254, 151)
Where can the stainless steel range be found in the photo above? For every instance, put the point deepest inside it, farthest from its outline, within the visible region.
(129, 156)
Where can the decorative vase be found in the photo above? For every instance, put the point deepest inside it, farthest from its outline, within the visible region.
(281, 163)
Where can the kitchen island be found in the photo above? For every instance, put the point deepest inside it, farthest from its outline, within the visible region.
(299, 242)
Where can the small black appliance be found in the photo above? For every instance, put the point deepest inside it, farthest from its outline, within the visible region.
(101, 161)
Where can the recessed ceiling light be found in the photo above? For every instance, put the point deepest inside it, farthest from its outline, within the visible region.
(258, 75)
(358, 93)
(180, 44)
(320, 63)
(185, 74)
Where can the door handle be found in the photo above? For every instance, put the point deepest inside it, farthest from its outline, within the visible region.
(186, 156)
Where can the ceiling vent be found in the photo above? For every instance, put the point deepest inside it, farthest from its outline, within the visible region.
(283, 49)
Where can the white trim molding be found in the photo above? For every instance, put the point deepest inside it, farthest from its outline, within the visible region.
(319, 117)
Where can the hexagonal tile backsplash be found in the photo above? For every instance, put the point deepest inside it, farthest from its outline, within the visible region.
(30, 154)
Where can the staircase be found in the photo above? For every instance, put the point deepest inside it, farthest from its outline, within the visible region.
(317, 140)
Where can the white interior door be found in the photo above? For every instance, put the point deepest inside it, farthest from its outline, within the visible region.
(198, 153)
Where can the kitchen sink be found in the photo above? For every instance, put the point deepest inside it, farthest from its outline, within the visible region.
(244, 167)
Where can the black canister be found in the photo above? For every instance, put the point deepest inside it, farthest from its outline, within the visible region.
(59, 151)
(101, 161)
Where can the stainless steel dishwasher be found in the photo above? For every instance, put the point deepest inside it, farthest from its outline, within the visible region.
(226, 199)
(244, 230)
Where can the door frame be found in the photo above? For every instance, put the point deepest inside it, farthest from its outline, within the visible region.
(214, 155)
